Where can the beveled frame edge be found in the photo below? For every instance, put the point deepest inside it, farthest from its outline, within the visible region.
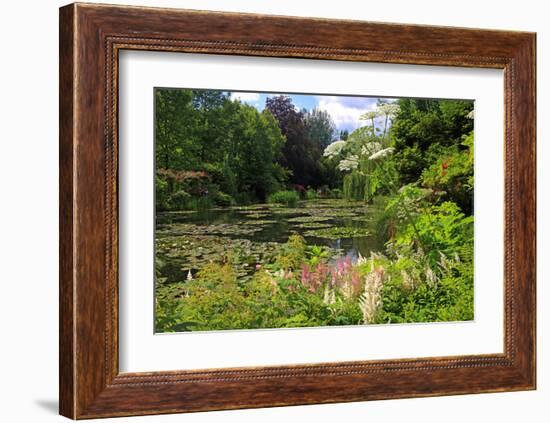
(90, 38)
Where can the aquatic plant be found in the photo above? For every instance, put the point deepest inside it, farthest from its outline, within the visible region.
(337, 232)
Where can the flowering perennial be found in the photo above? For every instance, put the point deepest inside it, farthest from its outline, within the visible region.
(349, 163)
(382, 153)
(332, 150)
(340, 278)
(371, 299)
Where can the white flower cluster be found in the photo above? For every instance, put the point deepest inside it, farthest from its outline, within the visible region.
(369, 115)
(388, 109)
(332, 150)
(349, 163)
(370, 148)
(381, 154)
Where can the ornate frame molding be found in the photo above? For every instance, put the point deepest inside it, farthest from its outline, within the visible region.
(91, 37)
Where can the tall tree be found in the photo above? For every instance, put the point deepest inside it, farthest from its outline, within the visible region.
(176, 121)
(209, 99)
(260, 144)
(320, 127)
(212, 123)
(344, 134)
(300, 154)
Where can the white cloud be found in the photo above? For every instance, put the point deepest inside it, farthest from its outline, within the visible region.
(245, 97)
(346, 113)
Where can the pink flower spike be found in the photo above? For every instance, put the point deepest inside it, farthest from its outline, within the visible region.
(340, 265)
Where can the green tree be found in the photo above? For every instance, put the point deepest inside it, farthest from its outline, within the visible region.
(320, 127)
(212, 123)
(259, 144)
(175, 129)
(343, 134)
(422, 130)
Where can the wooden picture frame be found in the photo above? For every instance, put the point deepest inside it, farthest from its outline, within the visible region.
(91, 36)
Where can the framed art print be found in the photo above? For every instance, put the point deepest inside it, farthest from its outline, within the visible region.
(260, 211)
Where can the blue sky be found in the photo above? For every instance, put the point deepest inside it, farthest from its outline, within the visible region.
(345, 111)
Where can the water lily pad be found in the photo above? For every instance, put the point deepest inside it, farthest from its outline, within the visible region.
(332, 213)
(333, 204)
(303, 219)
(364, 218)
(212, 229)
(193, 252)
(176, 213)
(288, 210)
(255, 214)
(252, 207)
(313, 225)
(260, 222)
(337, 232)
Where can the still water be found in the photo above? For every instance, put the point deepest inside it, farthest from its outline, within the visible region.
(191, 237)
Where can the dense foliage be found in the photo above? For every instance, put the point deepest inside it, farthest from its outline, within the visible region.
(410, 165)
(432, 134)
(210, 149)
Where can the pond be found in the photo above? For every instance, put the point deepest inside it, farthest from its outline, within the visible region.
(187, 240)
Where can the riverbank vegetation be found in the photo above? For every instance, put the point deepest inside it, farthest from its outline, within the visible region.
(274, 217)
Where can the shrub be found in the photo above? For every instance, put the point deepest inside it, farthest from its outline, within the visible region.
(453, 174)
(162, 194)
(440, 229)
(336, 193)
(311, 194)
(179, 200)
(243, 198)
(292, 254)
(287, 198)
(222, 199)
(300, 189)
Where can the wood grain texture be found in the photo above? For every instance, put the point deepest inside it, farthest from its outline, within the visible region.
(90, 38)
(66, 212)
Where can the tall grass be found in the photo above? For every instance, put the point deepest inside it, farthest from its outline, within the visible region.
(287, 198)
